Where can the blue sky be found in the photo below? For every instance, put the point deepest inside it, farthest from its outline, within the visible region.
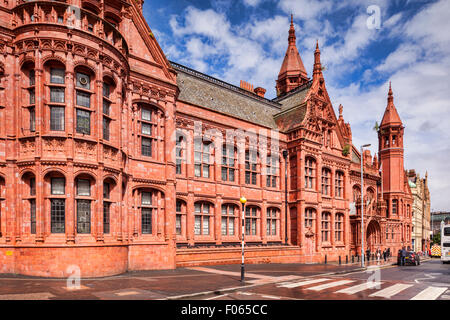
(237, 40)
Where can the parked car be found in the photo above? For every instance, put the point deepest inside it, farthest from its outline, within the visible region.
(411, 258)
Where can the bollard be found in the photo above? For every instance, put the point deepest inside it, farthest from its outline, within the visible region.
(325, 259)
(346, 259)
(340, 260)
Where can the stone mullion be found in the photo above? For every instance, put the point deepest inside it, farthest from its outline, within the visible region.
(39, 106)
(284, 224)
(70, 109)
(319, 201)
(190, 219)
(120, 204)
(98, 190)
(20, 212)
(71, 216)
(300, 186)
(39, 204)
(263, 222)
(218, 220)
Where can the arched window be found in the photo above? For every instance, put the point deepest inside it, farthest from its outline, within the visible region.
(29, 84)
(251, 220)
(339, 184)
(56, 89)
(326, 182)
(108, 89)
(273, 222)
(356, 193)
(83, 91)
(108, 186)
(180, 153)
(394, 207)
(203, 218)
(57, 204)
(84, 204)
(180, 222)
(273, 171)
(326, 226)
(229, 154)
(28, 193)
(251, 167)
(339, 227)
(202, 158)
(310, 217)
(230, 212)
(148, 208)
(148, 128)
(310, 170)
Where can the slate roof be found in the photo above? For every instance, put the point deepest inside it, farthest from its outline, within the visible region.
(202, 90)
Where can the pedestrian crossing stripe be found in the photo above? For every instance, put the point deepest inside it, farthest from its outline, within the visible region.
(303, 283)
(331, 285)
(429, 293)
(360, 287)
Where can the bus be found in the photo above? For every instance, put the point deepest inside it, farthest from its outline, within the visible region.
(445, 242)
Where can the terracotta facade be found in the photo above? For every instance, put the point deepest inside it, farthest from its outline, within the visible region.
(112, 158)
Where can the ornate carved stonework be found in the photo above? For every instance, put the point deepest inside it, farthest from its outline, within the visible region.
(85, 150)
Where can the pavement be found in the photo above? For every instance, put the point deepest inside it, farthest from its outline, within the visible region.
(182, 283)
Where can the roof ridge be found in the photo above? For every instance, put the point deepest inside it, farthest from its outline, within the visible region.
(224, 84)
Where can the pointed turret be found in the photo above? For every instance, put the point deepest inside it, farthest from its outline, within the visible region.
(293, 73)
(317, 62)
(391, 116)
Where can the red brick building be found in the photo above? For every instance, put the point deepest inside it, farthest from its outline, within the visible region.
(112, 158)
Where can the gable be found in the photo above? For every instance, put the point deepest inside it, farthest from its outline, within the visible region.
(146, 56)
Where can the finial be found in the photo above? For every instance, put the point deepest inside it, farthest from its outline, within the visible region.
(341, 109)
(292, 19)
(390, 89)
(317, 45)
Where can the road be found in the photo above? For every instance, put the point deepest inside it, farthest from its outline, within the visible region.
(429, 281)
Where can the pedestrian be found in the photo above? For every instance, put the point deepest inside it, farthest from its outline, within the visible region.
(384, 254)
(378, 256)
(403, 256)
(368, 254)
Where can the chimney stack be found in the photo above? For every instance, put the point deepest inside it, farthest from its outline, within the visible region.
(260, 92)
(246, 86)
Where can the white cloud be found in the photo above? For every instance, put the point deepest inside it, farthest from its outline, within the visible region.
(419, 70)
(252, 3)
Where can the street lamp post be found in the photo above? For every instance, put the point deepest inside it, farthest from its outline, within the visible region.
(243, 202)
(362, 203)
(285, 156)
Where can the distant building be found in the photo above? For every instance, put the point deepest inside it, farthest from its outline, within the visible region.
(421, 211)
(436, 218)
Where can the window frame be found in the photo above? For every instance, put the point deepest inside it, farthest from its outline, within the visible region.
(251, 167)
(310, 170)
(228, 164)
(228, 220)
(326, 227)
(202, 158)
(203, 216)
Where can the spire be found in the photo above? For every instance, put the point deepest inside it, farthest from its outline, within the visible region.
(317, 62)
(292, 73)
(341, 111)
(391, 116)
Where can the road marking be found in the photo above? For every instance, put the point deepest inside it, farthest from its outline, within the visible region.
(445, 297)
(216, 297)
(391, 291)
(271, 297)
(428, 276)
(430, 293)
(128, 293)
(360, 287)
(302, 283)
(244, 293)
(230, 273)
(331, 285)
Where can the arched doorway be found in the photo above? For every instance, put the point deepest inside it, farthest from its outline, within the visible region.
(373, 236)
